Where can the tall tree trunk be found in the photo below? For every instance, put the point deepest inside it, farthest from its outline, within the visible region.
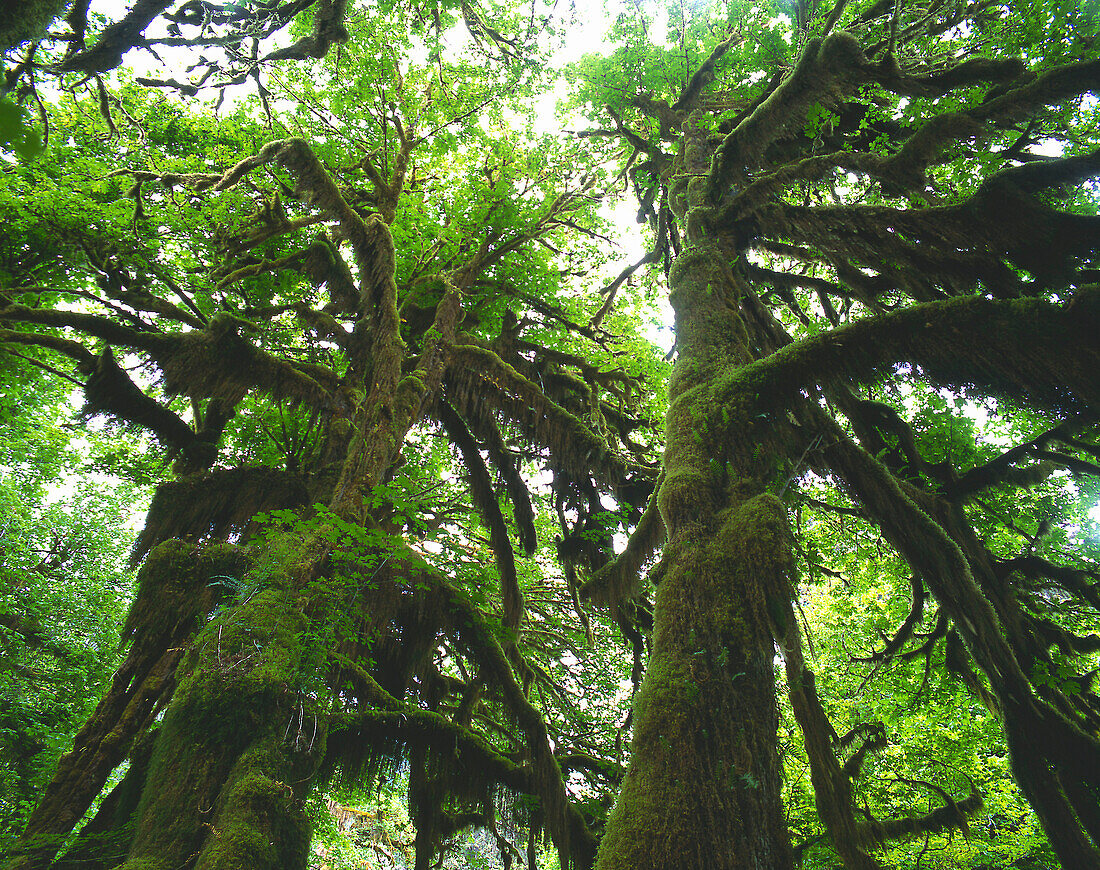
(704, 784)
(246, 728)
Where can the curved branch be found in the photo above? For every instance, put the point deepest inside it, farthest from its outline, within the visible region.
(89, 324)
(1002, 469)
(328, 30)
(828, 69)
(702, 76)
(951, 815)
(902, 635)
(1038, 735)
(619, 580)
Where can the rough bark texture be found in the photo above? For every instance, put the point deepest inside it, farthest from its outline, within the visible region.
(704, 785)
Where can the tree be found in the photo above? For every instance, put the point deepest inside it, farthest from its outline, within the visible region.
(214, 315)
(62, 604)
(852, 218)
(739, 199)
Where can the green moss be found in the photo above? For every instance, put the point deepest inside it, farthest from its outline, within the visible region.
(710, 336)
(221, 758)
(410, 390)
(178, 586)
(27, 20)
(698, 191)
(260, 821)
(1046, 354)
(703, 787)
(684, 493)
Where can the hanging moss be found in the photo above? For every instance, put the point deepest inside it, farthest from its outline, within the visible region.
(488, 434)
(479, 377)
(221, 362)
(1030, 348)
(110, 390)
(217, 503)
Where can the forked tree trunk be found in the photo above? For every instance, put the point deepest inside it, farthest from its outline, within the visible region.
(245, 729)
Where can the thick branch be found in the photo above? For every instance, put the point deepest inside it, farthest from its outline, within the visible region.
(619, 580)
(116, 39)
(481, 489)
(1044, 353)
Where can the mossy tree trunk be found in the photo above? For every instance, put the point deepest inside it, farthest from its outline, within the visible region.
(175, 595)
(237, 749)
(704, 785)
(246, 728)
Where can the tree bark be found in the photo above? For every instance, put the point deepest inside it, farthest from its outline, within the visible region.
(704, 784)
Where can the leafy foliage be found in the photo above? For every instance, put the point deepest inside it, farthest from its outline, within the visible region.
(350, 307)
(65, 589)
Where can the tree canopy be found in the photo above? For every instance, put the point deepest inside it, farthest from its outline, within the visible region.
(434, 512)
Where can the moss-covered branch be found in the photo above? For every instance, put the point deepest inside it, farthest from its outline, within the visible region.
(826, 70)
(568, 830)
(489, 435)
(578, 448)
(485, 499)
(1004, 468)
(84, 358)
(952, 814)
(831, 784)
(110, 390)
(1046, 746)
(1044, 353)
(369, 239)
(620, 579)
(94, 325)
(1049, 88)
(116, 39)
(192, 362)
(328, 30)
